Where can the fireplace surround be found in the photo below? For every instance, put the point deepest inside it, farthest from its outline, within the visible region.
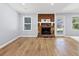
(46, 25)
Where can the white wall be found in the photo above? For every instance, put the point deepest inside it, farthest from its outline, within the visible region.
(11, 26)
(68, 24)
(8, 24)
(29, 33)
(34, 32)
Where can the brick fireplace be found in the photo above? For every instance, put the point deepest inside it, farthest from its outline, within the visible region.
(46, 25)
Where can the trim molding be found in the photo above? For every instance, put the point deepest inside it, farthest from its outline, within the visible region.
(74, 37)
(28, 36)
(5, 44)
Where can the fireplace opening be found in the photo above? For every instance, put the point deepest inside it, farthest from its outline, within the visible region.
(46, 31)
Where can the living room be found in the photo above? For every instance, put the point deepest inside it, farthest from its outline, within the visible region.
(39, 29)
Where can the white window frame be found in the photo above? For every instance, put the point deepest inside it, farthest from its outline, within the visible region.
(27, 23)
(63, 24)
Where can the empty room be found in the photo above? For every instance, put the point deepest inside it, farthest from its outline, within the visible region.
(39, 29)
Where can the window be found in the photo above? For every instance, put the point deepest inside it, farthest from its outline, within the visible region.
(75, 23)
(27, 23)
(60, 25)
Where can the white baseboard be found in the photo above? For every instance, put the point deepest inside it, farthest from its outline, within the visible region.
(75, 38)
(28, 35)
(5, 44)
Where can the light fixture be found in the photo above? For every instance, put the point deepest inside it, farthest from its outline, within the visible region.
(23, 3)
(52, 4)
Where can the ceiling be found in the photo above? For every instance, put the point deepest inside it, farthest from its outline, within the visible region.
(45, 7)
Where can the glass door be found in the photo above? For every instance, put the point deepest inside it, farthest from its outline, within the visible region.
(60, 25)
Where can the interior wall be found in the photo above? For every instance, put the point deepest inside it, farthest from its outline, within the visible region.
(11, 26)
(68, 24)
(34, 32)
(29, 33)
(8, 23)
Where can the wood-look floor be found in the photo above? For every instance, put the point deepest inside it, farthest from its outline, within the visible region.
(42, 47)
